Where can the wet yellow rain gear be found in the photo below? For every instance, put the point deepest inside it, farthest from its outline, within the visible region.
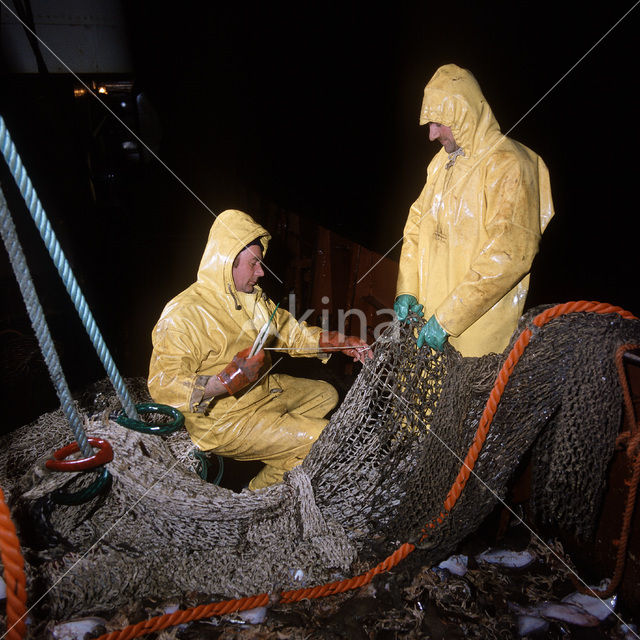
(278, 418)
(471, 236)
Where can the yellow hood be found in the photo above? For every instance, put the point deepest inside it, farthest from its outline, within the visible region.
(231, 231)
(453, 98)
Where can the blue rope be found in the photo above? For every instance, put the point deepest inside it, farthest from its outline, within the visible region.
(39, 324)
(55, 251)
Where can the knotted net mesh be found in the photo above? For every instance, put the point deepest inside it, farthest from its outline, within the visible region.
(379, 473)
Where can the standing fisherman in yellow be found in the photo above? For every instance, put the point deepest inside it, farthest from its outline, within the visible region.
(471, 236)
(202, 362)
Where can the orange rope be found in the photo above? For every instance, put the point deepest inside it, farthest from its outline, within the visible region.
(14, 576)
(206, 611)
(242, 604)
(498, 389)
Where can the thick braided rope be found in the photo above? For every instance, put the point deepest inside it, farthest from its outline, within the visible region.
(261, 600)
(40, 326)
(242, 604)
(25, 186)
(14, 576)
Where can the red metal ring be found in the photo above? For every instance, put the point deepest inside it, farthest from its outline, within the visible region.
(102, 456)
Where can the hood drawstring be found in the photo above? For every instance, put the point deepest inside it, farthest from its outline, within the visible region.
(238, 305)
(452, 157)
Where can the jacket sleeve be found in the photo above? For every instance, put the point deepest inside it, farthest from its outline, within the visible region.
(299, 337)
(409, 258)
(512, 236)
(173, 371)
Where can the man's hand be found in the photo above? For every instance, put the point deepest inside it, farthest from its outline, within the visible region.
(432, 334)
(241, 371)
(351, 346)
(405, 304)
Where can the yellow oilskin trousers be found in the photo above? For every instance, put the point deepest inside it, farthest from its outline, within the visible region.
(287, 424)
(472, 234)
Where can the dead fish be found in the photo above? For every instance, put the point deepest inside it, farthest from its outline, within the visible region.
(456, 564)
(254, 616)
(77, 629)
(558, 611)
(566, 612)
(249, 616)
(506, 558)
(531, 624)
(597, 607)
(297, 575)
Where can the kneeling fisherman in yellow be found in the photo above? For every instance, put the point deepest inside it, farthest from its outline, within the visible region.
(472, 234)
(201, 364)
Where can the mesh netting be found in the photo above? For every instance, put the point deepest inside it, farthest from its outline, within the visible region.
(379, 472)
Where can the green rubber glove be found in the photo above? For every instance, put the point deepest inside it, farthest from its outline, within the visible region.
(405, 304)
(433, 335)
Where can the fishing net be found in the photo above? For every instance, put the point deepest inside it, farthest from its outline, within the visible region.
(380, 471)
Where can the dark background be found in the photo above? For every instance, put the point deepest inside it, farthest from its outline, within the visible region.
(312, 108)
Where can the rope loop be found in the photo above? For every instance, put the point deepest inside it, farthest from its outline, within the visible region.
(103, 456)
(155, 429)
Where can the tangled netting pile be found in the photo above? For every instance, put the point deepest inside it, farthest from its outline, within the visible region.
(380, 470)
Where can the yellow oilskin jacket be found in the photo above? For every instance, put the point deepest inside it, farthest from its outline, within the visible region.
(203, 327)
(472, 234)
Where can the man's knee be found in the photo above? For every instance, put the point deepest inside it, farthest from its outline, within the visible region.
(265, 478)
(330, 395)
(313, 398)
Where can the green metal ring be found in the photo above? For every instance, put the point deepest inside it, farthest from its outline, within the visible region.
(100, 484)
(218, 479)
(203, 472)
(152, 407)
